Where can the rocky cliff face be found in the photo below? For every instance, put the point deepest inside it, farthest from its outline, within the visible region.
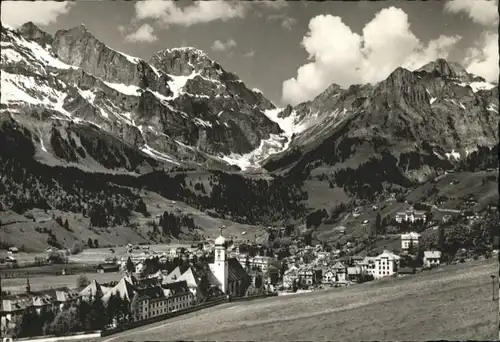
(423, 121)
(180, 107)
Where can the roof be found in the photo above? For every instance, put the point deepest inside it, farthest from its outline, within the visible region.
(338, 265)
(94, 289)
(177, 287)
(174, 275)
(151, 292)
(389, 255)
(432, 254)
(406, 270)
(124, 289)
(236, 271)
(410, 235)
(108, 266)
(220, 241)
(37, 298)
(354, 270)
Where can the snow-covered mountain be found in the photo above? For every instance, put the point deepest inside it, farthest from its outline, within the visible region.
(85, 103)
(424, 120)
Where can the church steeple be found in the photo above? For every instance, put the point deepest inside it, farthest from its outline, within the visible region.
(28, 286)
(220, 265)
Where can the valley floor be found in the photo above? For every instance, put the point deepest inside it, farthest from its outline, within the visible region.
(453, 303)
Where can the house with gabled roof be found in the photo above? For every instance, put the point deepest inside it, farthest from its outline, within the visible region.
(93, 290)
(340, 271)
(124, 289)
(432, 258)
(409, 239)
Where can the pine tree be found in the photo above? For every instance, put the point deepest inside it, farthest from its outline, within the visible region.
(96, 318)
(378, 223)
(66, 224)
(130, 266)
(442, 239)
(90, 243)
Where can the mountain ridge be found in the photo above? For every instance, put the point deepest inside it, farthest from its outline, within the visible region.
(181, 126)
(231, 124)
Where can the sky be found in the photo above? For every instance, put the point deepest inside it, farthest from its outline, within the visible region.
(291, 51)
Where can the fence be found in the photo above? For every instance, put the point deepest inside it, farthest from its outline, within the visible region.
(137, 324)
(132, 325)
(70, 336)
(243, 299)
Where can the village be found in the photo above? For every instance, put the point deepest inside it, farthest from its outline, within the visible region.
(148, 285)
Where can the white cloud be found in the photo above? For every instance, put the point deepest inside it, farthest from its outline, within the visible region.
(143, 34)
(122, 29)
(482, 60)
(16, 13)
(168, 13)
(223, 46)
(341, 56)
(286, 21)
(484, 12)
(249, 54)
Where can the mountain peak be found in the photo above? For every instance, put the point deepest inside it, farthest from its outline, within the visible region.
(445, 69)
(30, 31)
(183, 61)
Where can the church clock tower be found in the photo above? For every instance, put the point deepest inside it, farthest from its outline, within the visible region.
(219, 267)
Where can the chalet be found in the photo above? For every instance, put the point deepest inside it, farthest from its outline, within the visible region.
(10, 259)
(108, 268)
(340, 271)
(289, 276)
(432, 258)
(354, 273)
(306, 277)
(409, 239)
(411, 215)
(13, 250)
(328, 277)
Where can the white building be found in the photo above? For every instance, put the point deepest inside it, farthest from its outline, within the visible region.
(408, 239)
(383, 265)
(411, 215)
(220, 267)
(260, 262)
(432, 258)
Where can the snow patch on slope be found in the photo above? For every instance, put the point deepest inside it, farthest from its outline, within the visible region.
(493, 108)
(178, 83)
(38, 53)
(267, 147)
(131, 90)
(158, 155)
(14, 90)
(477, 86)
(87, 95)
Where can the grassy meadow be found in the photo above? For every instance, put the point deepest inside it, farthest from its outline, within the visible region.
(452, 303)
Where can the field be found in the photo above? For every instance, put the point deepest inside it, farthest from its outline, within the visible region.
(453, 303)
(17, 285)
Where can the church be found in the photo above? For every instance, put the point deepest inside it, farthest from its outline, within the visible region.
(232, 278)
